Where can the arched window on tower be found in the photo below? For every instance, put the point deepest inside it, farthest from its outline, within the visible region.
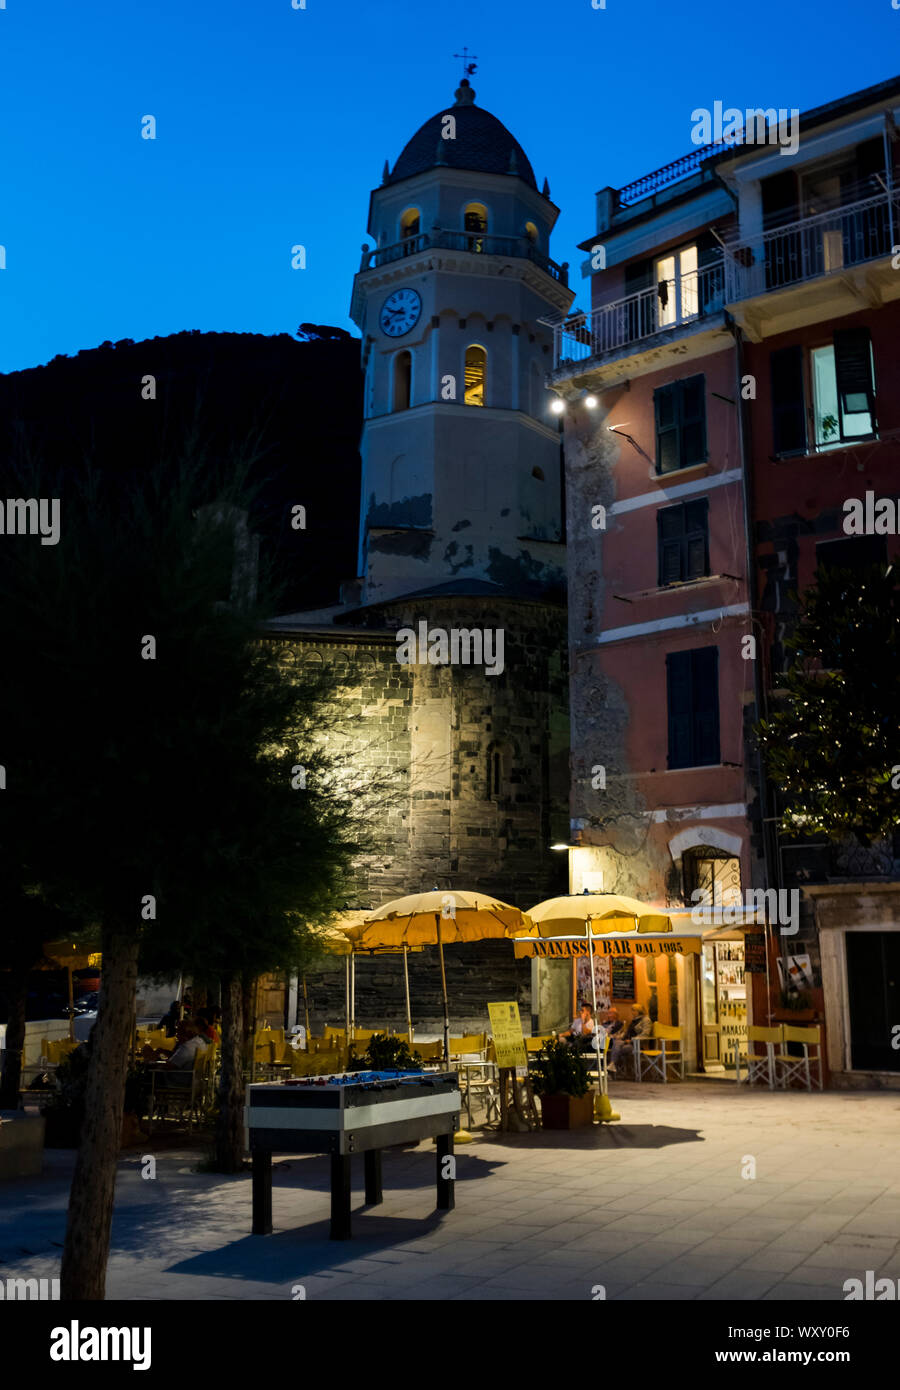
(402, 394)
(476, 375)
(531, 233)
(475, 223)
(499, 770)
(409, 230)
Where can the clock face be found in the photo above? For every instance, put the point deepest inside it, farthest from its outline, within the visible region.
(399, 313)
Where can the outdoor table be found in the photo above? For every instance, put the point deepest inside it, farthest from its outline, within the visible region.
(351, 1112)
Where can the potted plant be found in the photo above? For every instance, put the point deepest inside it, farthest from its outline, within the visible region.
(386, 1053)
(560, 1076)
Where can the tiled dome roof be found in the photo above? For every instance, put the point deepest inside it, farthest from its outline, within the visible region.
(482, 144)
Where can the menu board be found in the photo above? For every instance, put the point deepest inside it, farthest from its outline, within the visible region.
(506, 1029)
(623, 977)
(755, 952)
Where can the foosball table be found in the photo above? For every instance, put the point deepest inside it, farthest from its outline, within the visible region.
(350, 1113)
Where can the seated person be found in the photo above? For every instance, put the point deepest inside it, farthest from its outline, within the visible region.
(580, 1032)
(207, 1023)
(182, 1058)
(612, 1023)
(641, 1026)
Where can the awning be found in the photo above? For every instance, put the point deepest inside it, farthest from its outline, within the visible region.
(610, 944)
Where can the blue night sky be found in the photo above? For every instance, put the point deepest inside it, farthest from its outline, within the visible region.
(274, 123)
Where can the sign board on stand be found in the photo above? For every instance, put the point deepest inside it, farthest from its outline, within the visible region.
(509, 1041)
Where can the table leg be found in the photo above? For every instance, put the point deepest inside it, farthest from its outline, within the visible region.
(262, 1192)
(446, 1182)
(340, 1197)
(372, 1164)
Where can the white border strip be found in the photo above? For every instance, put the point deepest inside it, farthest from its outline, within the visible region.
(353, 1118)
(671, 494)
(708, 615)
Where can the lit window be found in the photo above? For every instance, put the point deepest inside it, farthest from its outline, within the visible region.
(476, 374)
(676, 286)
(402, 380)
(844, 388)
(531, 232)
(409, 230)
(475, 223)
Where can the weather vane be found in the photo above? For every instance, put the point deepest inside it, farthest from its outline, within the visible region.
(468, 67)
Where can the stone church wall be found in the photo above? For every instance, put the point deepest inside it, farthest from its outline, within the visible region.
(481, 766)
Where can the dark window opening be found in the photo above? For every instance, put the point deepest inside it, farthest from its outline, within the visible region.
(683, 542)
(402, 380)
(692, 680)
(680, 409)
(788, 401)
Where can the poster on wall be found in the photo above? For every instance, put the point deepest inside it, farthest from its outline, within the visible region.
(601, 980)
(623, 978)
(795, 973)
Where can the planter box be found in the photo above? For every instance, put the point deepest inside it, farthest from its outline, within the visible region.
(567, 1112)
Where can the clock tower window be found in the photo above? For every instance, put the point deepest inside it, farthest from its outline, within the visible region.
(402, 396)
(475, 223)
(409, 227)
(476, 375)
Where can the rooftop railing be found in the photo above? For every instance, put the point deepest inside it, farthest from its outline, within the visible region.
(648, 184)
(477, 243)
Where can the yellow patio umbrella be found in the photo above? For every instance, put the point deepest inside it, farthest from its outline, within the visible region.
(438, 918)
(341, 937)
(73, 957)
(576, 916)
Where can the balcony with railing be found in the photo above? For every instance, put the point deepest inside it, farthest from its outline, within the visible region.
(476, 243)
(837, 239)
(638, 320)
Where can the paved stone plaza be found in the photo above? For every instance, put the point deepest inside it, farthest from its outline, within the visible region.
(654, 1207)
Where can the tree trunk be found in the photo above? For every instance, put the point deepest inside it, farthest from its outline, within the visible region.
(230, 1123)
(15, 1040)
(86, 1250)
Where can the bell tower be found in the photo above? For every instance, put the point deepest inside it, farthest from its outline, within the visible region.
(461, 459)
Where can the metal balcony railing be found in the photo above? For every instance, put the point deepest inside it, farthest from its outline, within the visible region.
(670, 304)
(678, 169)
(810, 247)
(477, 243)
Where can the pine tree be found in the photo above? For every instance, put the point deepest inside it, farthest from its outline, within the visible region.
(832, 740)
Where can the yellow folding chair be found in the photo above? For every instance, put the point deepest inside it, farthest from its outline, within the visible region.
(789, 1067)
(759, 1066)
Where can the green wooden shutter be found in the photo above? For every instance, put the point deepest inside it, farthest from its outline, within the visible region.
(678, 689)
(668, 428)
(696, 538)
(669, 535)
(788, 402)
(693, 421)
(705, 706)
(853, 372)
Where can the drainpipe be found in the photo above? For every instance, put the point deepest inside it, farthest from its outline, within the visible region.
(889, 131)
(769, 832)
(746, 469)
